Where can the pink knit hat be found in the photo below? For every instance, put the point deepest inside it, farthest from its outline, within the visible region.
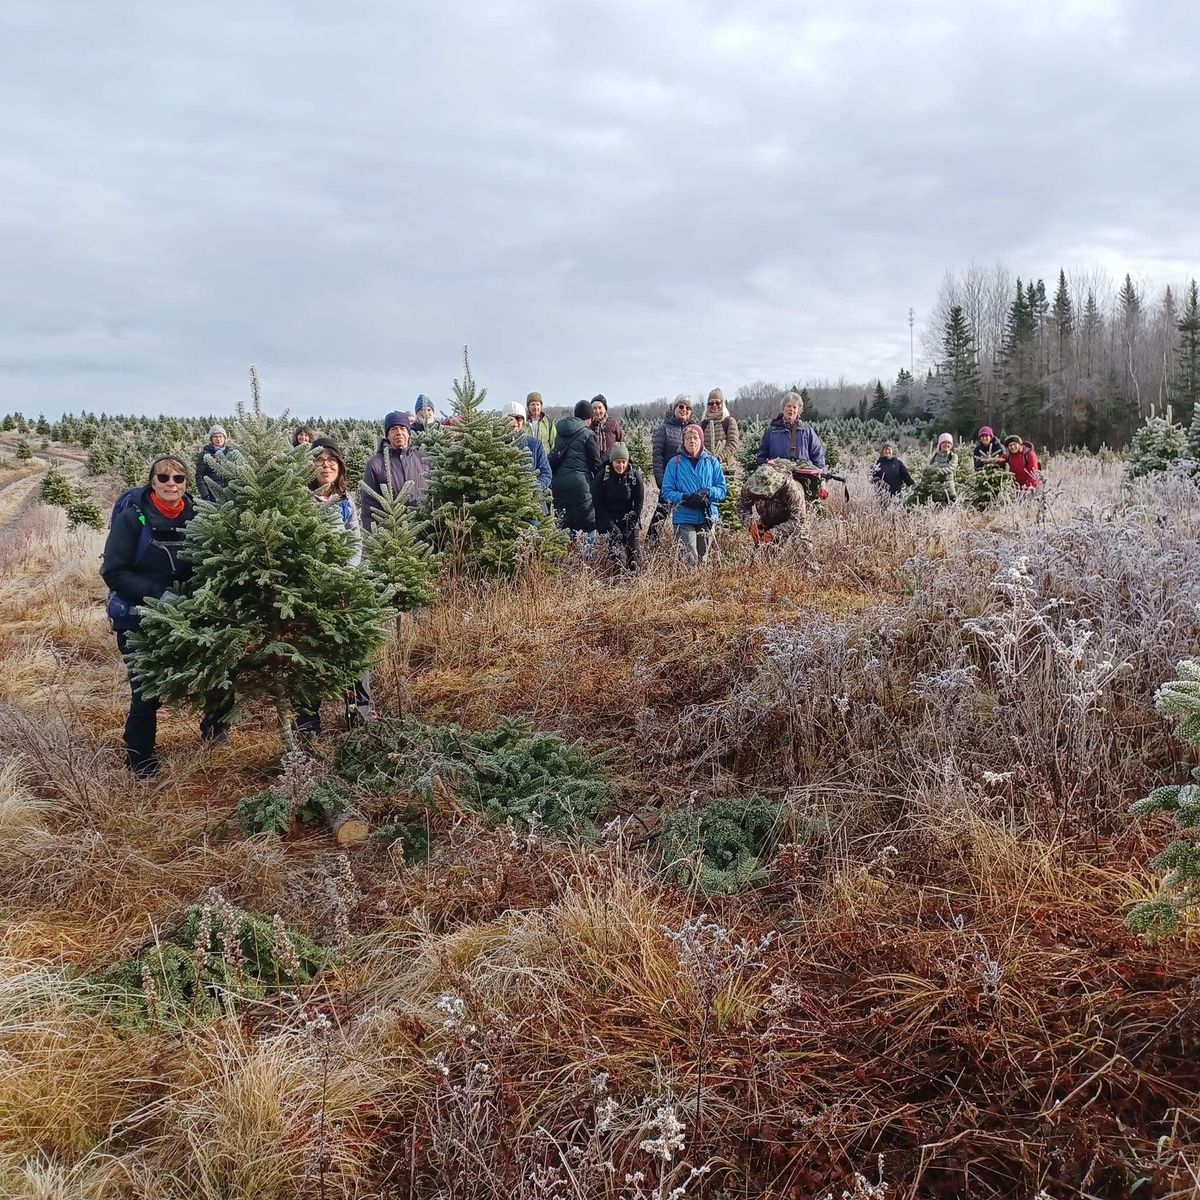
(945, 437)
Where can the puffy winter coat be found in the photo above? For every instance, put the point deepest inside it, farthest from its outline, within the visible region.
(575, 460)
(1024, 466)
(684, 476)
(784, 511)
(666, 443)
(619, 499)
(892, 474)
(210, 467)
(721, 437)
(797, 442)
(541, 462)
(392, 469)
(608, 434)
(160, 567)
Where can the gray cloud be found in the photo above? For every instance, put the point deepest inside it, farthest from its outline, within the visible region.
(636, 196)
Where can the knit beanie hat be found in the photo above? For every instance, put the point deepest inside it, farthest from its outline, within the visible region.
(620, 452)
(699, 431)
(887, 446)
(217, 429)
(583, 410)
(943, 438)
(330, 447)
(716, 394)
(599, 398)
(396, 418)
(1013, 437)
(513, 409)
(533, 398)
(423, 402)
(986, 431)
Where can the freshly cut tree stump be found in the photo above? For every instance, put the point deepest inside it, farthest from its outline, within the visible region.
(349, 828)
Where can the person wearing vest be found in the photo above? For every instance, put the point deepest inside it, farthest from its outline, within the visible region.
(141, 562)
(575, 460)
(539, 425)
(721, 435)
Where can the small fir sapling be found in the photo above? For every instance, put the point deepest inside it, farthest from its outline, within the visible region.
(403, 567)
(24, 451)
(83, 510)
(55, 488)
(1157, 446)
(483, 504)
(1179, 699)
(273, 611)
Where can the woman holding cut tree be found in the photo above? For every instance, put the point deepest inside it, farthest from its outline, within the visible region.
(142, 561)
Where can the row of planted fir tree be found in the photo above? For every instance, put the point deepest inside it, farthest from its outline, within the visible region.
(1068, 370)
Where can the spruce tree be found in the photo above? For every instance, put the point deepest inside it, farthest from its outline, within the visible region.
(959, 372)
(879, 410)
(483, 504)
(902, 391)
(273, 611)
(402, 566)
(24, 450)
(1185, 385)
(1022, 386)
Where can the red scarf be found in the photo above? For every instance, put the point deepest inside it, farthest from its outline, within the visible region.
(170, 511)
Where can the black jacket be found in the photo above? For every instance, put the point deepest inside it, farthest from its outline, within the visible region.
(892, 474)
(210, 468)
(619, 499)
(575, 460)
(161, 567)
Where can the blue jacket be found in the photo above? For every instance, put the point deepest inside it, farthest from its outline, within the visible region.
(798, 442)
(683, 476)
(541, 462)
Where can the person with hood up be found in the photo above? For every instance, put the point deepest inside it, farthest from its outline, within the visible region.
(789, 437)
(721, 435)
(772, 507)
(608, 432)
(538, 424)
(329, 488)
(943, 465)
(664, 445)
(211, 463)
(620, 494)
(423, 420)
(142, 561)
(1023, 463)
(394, 464)
(890, 474)
(575, 460)
(694, 484)
(539, 461)
(988, 452)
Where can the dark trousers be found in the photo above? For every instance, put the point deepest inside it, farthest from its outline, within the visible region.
(141, 724)
(358, 709)
(662, 512)
(625, 547)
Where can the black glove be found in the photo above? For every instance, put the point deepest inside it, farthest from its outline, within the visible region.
(694, 500)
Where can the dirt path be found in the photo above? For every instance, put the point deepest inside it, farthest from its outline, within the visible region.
(23, 481)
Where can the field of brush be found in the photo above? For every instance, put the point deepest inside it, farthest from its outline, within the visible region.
(852, 901)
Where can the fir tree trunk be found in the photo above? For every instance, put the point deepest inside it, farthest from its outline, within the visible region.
(284, 712)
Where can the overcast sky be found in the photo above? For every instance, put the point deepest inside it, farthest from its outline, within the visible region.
(633, 196)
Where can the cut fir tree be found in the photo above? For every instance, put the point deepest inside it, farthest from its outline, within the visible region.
(273, 611)
(483, 504)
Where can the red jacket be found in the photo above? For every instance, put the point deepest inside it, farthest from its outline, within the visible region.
(1023, 464)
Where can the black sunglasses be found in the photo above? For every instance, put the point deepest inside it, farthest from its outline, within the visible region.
(170, 478)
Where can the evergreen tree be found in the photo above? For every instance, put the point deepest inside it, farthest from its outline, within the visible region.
(483, 504)
(55, 488)
(1131, 329)
(1062, 314)
(402, 566)
(83, 510)
(959, 373)
(273, 610)
(1091, 333)
(24, 451)
(902, 393)
(1185, 385)
(879, 410)
(1022, 387)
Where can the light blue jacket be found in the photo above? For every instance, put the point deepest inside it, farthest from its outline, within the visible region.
(682, 477)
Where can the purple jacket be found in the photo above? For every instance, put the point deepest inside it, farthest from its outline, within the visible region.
(393, 469)
(798, 442)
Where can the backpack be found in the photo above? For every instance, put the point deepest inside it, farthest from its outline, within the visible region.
(123, 616)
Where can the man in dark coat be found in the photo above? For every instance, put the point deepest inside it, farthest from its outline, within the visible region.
(664, 445)
(608, 432)
(395, 463)
(789, 437)
(620, 495)
(575, 460)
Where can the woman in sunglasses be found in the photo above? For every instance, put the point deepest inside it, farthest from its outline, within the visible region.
(142, 561)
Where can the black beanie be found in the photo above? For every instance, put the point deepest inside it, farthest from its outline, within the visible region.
(329, 446)
(583, 410)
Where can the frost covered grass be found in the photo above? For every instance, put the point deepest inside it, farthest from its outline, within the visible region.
(929, 992)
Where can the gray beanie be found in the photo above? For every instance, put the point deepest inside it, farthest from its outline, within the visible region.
(620, 452)
(212, 433)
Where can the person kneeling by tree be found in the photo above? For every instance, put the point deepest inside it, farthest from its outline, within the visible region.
(142, 562)
(620, 493)
(773, 508)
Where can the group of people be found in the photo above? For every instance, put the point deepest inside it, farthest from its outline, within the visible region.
(1012, 454)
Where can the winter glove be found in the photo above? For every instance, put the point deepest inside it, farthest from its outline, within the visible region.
(696, 500)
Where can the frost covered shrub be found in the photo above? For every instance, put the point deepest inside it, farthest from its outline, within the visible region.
(1155, 446)
(510, 772)
(719, 845)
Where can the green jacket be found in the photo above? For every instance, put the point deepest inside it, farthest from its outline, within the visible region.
(544, 430)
